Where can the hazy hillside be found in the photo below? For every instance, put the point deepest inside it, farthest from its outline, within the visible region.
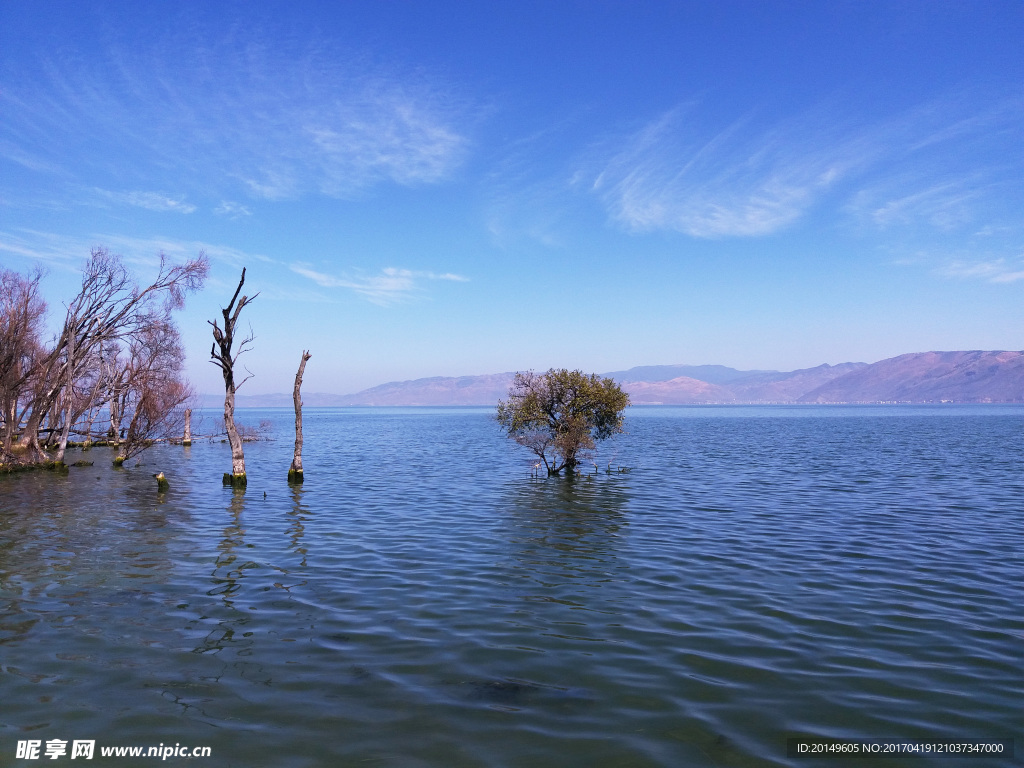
(438, 390)
(962, 377)
(959, 377)
(679, 391)
(712, 374)
(787, 387)
(727, 385)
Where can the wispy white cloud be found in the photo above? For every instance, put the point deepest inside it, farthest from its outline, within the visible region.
(536, 209)
(945, 165)
(997, 270)
(743, 180)
(1009, 277)
(13, 151)
(951, 167)
(524, 197)
(67, 253)
(270, 119)
(390, 286)
(151, 201)
(389, 135)
(944, 205)
(232, 210)
(71, 251)
(58, 251)
(143, 249)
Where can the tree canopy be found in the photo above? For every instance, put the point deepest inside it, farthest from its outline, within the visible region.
(559, 415)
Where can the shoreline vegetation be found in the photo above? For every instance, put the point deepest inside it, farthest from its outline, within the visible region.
(12, 462)
(117, 360)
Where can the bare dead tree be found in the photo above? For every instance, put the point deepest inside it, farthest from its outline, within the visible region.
(155, 391)
(222, 356)
(22, 311)
(295, 471)
(104, 369)
(109, 307)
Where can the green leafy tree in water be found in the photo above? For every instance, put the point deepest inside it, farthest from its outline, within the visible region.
(559, 415)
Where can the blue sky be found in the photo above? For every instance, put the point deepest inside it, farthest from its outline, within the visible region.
(453, 188)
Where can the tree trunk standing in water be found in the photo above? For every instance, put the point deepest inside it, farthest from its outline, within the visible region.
(223, 358)
(115, 417)
(295, 472)
(69, 402)
(186, 440)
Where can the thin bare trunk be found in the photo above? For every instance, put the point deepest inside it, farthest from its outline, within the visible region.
(295, 472)
(123, 447)
(65, 434)
(187, 439)
(221, 354)
(10, 426)
(88, 427)
(70, 399)
(54, 424)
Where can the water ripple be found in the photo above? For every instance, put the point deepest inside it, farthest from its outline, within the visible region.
(422, 600)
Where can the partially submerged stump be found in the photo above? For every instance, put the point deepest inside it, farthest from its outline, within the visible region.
(161, 482)
(295, 476)
(235, 481)
(186, 439)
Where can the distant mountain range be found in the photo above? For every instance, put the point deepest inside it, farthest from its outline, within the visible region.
(922, 377)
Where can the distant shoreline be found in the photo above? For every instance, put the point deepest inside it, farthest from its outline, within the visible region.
(980, 377)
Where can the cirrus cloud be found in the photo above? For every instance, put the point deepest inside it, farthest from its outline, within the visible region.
(740, 181)
(234, 115)
(151, 201)
(390, 286)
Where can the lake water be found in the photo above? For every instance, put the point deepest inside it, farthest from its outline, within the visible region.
(758, 574)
